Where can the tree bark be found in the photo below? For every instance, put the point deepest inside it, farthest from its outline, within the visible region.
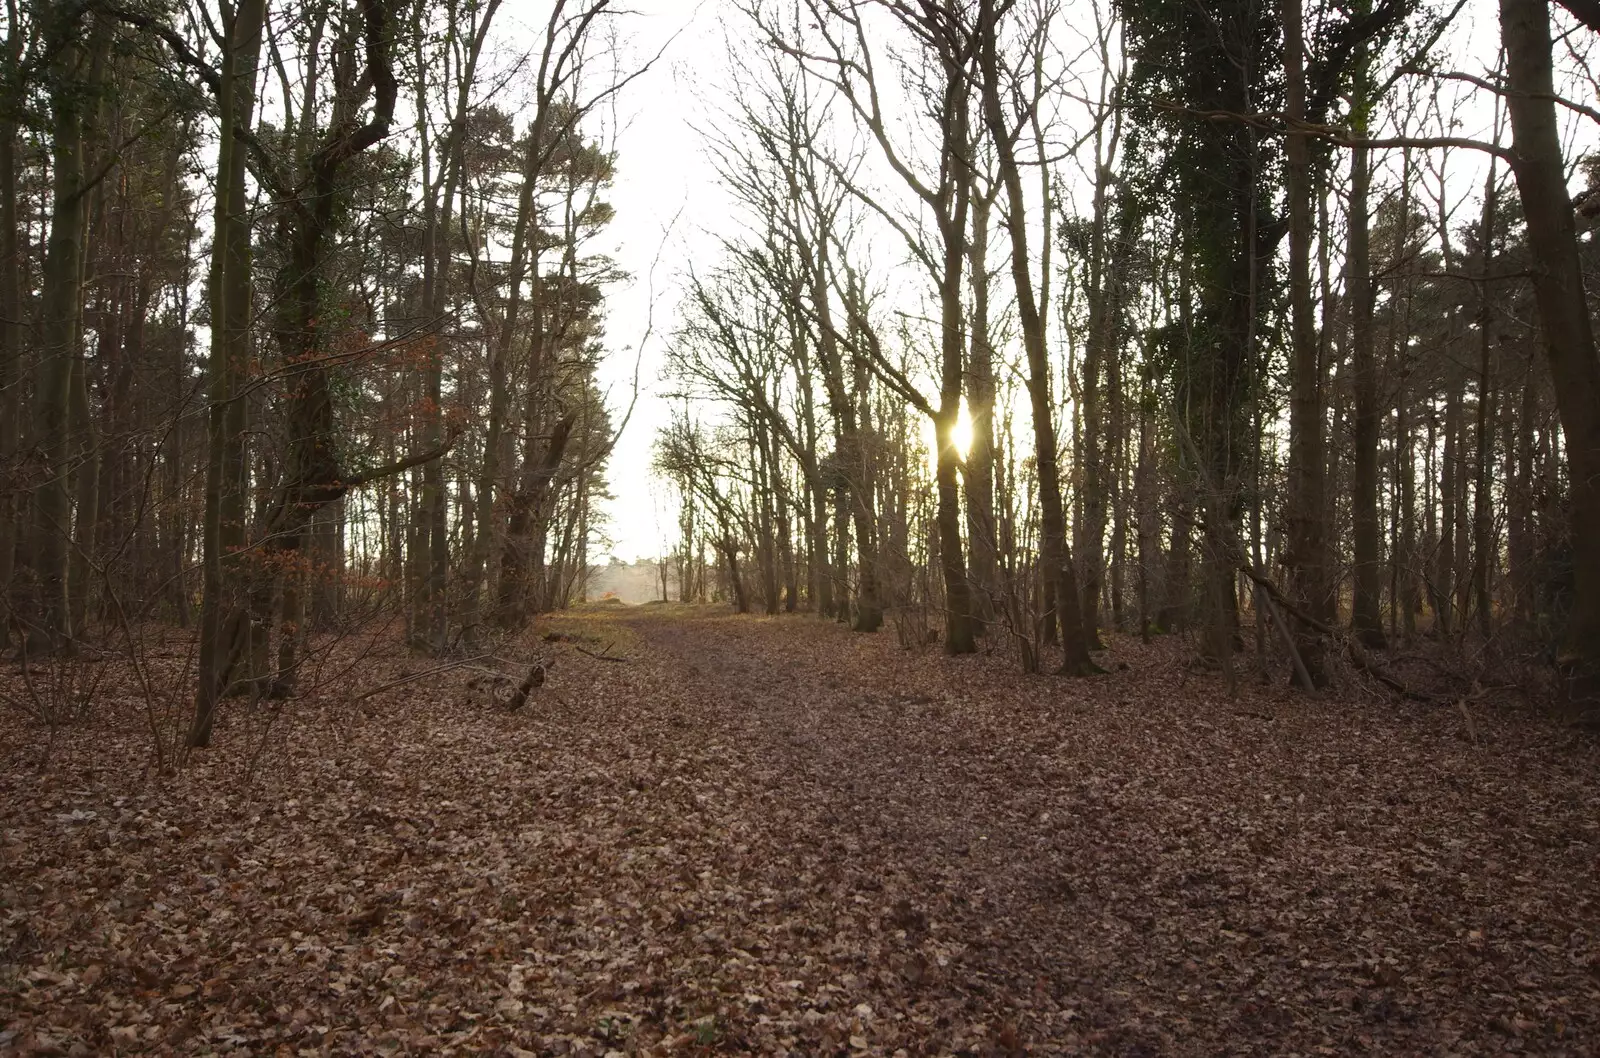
(978, 472)
(1483, 552)
(86, 499)
(1565, 323)
(1445, 570)
(11, 264)
(1366, 616)
(1100, 440)
(61, 315)
(224, 525)
(1308, 558)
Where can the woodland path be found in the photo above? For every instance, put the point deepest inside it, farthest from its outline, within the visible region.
(769, 835)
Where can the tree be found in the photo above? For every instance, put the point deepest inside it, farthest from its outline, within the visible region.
(1223, 173)
(221, 613)
(945, 81)
(11, 348)
(1055, 554)
(74, 40)
(1308, 556)
(1567, 329)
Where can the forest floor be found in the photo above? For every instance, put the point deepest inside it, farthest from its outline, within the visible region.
(770, 835)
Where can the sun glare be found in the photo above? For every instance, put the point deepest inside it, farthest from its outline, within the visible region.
(961, 436)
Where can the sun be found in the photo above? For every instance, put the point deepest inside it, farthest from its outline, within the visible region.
(962, 434)
(961, 437)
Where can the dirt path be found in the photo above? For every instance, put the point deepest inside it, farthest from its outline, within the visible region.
(1127, 867)
(770, 836)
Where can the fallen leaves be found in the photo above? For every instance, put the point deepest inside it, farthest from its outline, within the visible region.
(773, 836)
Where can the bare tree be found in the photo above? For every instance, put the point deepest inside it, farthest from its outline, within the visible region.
(943, 78)
(1055, 554)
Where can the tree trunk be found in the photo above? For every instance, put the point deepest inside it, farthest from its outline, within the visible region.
(1105, 293)
(1117, 418)
(1055, 555)
(850, 450)
(519, 563)
(312, 475)
(1178, 587)
(1406, 598)
(766, 518)
(1564, 318)
(1519, 518)
(228, 368)
(819, 577)
(492, 515)
(61, 313)
(791, 566)
(437, 258)
(841, 547)
(1461, 555)
(1449, 483)
(86, 505)
(1147, 520)
(978, 473)
(1307, 558)
(1483, 557)
(1366, 616)
(959, 633)
(11, 263)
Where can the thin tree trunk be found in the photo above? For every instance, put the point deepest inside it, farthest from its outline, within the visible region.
(1055, 554)
(1483, 557)
(1461, 557)
(1117, 418)
(978, 473)
(1105, 294)
(1520, 520)
(1366, 616)
(86, 490)
(437, 258)
(11, 263)
(1449, 479)
(1406, 599)
(730, 554)
(841, 547)
(850, 447)
(1147, 521)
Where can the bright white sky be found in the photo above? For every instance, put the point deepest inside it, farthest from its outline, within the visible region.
(665, 193)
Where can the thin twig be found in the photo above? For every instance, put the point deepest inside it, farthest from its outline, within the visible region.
(413, 677)
(599, 657)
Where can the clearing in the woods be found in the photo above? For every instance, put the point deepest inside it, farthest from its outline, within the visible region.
(771, 835)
